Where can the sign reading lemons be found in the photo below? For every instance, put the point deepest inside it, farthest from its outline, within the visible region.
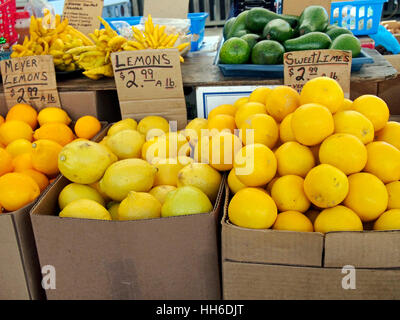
(302, 66)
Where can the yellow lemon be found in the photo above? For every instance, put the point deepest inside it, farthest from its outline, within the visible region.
(293, 221)
(255, 165)
(226, 109)
(374, 108)
(288, 194)
(19, 146)
(85, 209)
(393, 190)
(390, 134)
(52, 114)
(345, 152)
(264, 130)
(285, 129)
(389, 220)
(194, 128)
(260, 95)
(367, 196)
(13, 130)
(241, 101)
(161, 192)
(112, 208)
(45, 156)
(221, 122)
(271, 184)
(124, 124)
(126, 144)
(40, 178)
(312, 215)
(347, 105)
(234, 183)
(324, 91)
(75, 191)
(311, 124)
(23, 112)
(153, 126)
(338, 218)
(167, 171)
(315, 152)
(252, 208)
(282, 101)
(247, 110)
(139, 205)
(355, 123)
(383, 161)
(294, 158)
(326, 186)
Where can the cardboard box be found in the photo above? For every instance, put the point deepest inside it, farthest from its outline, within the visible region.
(166, 258)
(295, 7)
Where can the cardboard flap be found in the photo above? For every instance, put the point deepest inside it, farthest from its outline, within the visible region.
(166, 8)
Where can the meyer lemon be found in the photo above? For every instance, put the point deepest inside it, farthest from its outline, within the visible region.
(55, 131)
(383, 161)
(22, 162)
(139, 205)
(293, 221)
(282, 101)
(389, 220)
(87, 127)
(6, 164)
(45, 156)
(374, 108)
(23, 112)
(13, 130)
(294, 158)
(355, 123)
(18, 147)
(338, 218)
(393, 190)
(390, 134)
(53, 114)
(263, 128)
(39, 178)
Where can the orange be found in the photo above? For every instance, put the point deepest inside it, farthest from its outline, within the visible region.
(221, 122)
(390, 134)
(282, 101)
(22, 162)
(25, 113)
(17, 190)
(260, 95)
(87, 127)
(247, 110)
(55, 131)
(39, 177)
(264, 130)
(13, 130)
(324, 91)
(223, 109)
(374, 108)
(45, 156)
(53, 114)
(5, 162)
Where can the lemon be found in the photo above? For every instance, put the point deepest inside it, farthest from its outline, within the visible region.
(347, 105)
(393, 190)
(389, 220)
(264, 130)
(194, 128)
(367, 196)
(122, 125)
(226, 109)
(355, 123)
(293, 221)
(294, 158)
(161, 192)
(167, 171)
(85, 209)
(247, 110)
(326, 186)
(252, 208)
(383, 161)
(234, 183)
(338, 218)
(202, 176)
(113, 210)
(390, 134)
(241, 101)
(345, 152)
(312, 215)
(49, 115)
(270, 185)
(19, 146)
(126, 144)
(285, 129)
(153, 126)
(374, 108)
(255, 165)
(139, 205)
(311, 124)
(288, 194)
(184, 201)
(75, 191)
(260, 95)
(84, 161)
(127, 175)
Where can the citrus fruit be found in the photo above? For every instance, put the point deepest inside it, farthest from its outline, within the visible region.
(226, 109)
(96, 186)
(288, 194)
(293, 221)
(281, 102)
(126, 144)
(285, 129)
(311, 124)
(390, 134)
(127, 175)
(312, 215)
(87, 127)
(124, 124)
(241, 101)
(13, 130)
(84, 161)
(255, 165)
(45, 156)
(186, 200)
(347, 105)
(326, 186)
(18, 147)
(22, 162)
(221, 122)
(139, 205)
(374, 108)
(367, 196)
(41, 179)
(112, 208)
(153, 126)
(247, 110)
(55, 131)
(6, 164)
(263, 128)
(234, 51)
(167, 171)
(294, 158)
(383, 161)
(393, 190)
(234, 183)
(324, 91)
(52, 114)
(389, 220)
(260, 95)
(161, 192)
(202, 176)
(252, 208)
(23, 112)
(345, 152)
(75, 191)
(1, 120)
(85, 209)
(17, 190)
(355, 123)
(271, 184)
(194, 128)
(338, 218)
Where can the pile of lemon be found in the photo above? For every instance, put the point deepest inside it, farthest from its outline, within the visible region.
(315, 161)
(29, 154)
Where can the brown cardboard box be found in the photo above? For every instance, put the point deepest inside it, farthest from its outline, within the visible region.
(390, 90)
(296, 7)
(167, 258)
(20, 276)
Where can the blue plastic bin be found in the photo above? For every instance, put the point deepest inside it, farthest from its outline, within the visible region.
(362, 17)
(197, 26)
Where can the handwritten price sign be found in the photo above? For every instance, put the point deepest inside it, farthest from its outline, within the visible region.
(302, 66)
(30, 80)
(82, 14)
